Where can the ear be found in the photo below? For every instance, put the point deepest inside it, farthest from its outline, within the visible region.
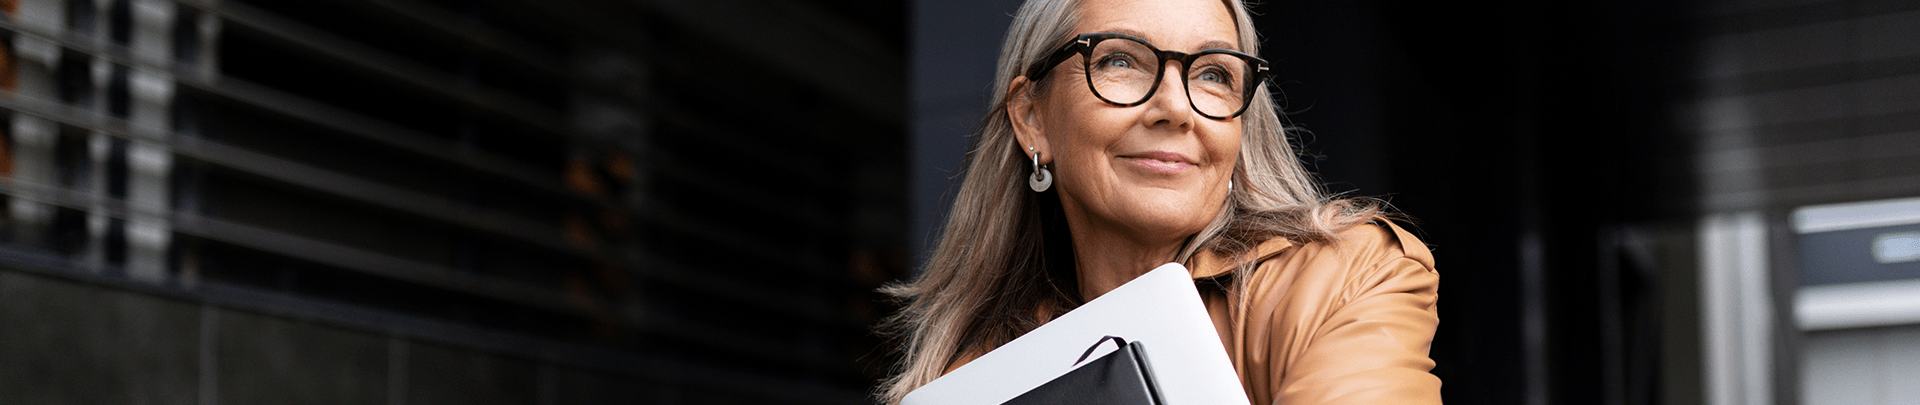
(1025, 118)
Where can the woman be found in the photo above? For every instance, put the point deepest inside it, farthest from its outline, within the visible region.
(1106, 157)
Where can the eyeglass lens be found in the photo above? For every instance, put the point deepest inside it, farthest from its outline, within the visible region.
(1123, 71)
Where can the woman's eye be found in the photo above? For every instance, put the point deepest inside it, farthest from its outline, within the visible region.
(1117, 62)
(1213, 77)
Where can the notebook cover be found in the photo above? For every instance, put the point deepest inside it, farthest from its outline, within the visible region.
(1122, 377)
(1161, 307)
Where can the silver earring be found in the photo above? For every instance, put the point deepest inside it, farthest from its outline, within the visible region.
(1229, 186)
(1042, 178)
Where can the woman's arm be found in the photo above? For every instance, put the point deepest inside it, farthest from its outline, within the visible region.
(1373, 349)
(1347, 322)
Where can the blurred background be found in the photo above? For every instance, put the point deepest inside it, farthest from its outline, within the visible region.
(655, 201)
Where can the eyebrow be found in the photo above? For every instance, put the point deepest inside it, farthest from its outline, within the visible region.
(1215, 44)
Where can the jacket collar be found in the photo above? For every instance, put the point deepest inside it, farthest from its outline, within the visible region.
(1207, 264)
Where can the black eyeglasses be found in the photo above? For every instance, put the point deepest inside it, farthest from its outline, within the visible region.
(1125, 70)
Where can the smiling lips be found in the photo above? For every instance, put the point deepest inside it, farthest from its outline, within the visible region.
(1160, 162)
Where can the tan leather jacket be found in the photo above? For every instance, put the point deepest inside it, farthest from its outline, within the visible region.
(1348, 322)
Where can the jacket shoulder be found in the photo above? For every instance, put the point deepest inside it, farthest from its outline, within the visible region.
(1358, 247)
(1342, 321)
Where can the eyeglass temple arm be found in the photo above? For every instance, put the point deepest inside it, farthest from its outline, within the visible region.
(1040, 70)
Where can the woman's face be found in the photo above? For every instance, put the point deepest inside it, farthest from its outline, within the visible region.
(1152, 172)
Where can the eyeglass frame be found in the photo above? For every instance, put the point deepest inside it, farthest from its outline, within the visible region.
(1083, 45)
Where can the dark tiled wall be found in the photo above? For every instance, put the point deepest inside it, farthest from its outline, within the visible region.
(71, 342)
(268, 360)
(443, 375)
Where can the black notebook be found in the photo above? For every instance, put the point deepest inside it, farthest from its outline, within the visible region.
(1121, 377)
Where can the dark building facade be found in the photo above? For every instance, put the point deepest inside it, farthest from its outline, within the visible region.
(440, 201)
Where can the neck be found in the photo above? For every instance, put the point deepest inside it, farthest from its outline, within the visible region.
(1105, 260)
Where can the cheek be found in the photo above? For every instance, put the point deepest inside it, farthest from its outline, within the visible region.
(1226, 147)
(1081, 132)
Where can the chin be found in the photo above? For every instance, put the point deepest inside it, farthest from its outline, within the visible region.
(1172, 218)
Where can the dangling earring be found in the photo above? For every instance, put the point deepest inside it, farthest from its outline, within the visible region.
(1042, 178)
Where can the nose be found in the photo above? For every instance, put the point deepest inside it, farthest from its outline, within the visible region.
(1169, 104)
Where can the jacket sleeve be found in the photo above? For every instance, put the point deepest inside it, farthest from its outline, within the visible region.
(1371, 343)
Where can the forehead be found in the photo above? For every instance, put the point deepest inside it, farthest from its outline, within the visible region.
(1188, 25)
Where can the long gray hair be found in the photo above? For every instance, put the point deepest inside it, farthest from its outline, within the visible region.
(1004, 264)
